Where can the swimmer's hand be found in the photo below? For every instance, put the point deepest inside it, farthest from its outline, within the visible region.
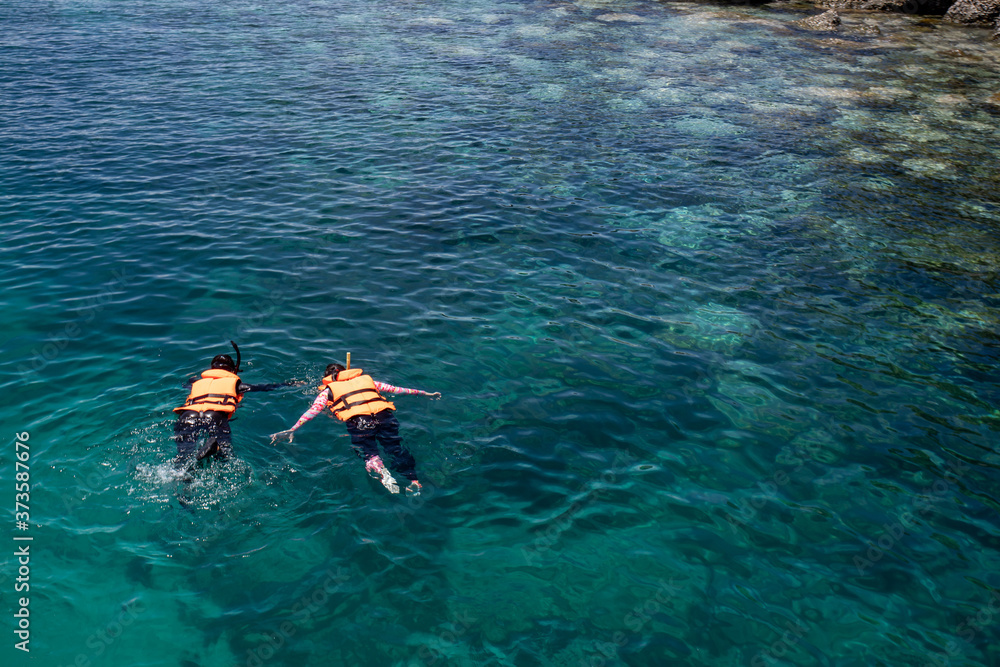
(290, 433)
(435, 396)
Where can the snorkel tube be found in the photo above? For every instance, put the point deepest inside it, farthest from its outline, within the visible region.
(237, 348)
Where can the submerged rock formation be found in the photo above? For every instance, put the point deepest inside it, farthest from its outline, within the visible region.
(967, 12)
(826, 21)
(964, 12)
(931, 7)
(974, 12)
(830, 21)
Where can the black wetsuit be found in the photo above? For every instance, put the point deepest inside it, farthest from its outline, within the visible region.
(367, 431)
(213, 425)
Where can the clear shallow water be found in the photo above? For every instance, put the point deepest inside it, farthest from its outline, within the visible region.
(713, 304)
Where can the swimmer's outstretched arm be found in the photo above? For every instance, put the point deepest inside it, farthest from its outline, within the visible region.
(386, 388)
(314, 409)
(243, 387)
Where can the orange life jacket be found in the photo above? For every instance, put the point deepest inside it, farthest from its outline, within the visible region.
(216, 390)
(353, 393)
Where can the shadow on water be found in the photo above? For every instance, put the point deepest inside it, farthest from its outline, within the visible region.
(272, 564)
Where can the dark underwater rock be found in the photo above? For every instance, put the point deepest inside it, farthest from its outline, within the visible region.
(931, 7)
(828, 21)
(974, 12)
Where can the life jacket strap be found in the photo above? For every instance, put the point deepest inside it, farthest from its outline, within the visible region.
(347, 405)
(226, 399)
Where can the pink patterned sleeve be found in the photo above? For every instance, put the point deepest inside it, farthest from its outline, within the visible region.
(314, 409)
(386, 388)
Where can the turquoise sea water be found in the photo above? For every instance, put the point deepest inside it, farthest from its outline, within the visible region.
(713, 303)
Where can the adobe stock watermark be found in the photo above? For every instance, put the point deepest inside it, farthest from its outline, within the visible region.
(281, 291)
(634, 622)
(304, 608)
(412, 504)
(893, 533)
(967, 631)
(454, 632)
(780, 647)
(265, 308)
(547, 538)
(56, 343)
(206, 531)
(102, 638)
(93, 483)
(749, 507)
(22, 550)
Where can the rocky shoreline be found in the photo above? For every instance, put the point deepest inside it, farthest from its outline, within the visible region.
(983, 13)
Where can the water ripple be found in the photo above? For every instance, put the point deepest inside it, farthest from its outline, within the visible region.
(712, 303)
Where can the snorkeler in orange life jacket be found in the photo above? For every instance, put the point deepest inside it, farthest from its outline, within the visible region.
(210, 405)
(356, 399)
